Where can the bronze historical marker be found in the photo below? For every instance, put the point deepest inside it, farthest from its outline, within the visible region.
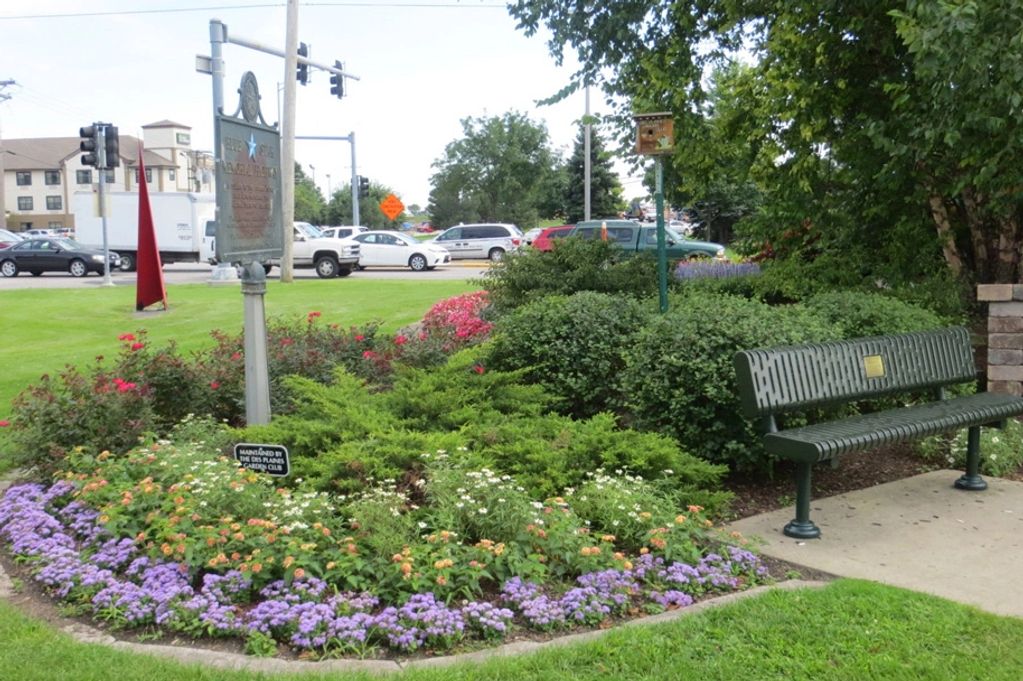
(249, 215)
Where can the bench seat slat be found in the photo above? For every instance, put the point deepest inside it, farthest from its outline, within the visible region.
(823, 441)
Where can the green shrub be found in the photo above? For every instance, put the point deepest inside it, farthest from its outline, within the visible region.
(1001, 451)
(574, 346)
(573, 265)
(550, 454)
(683, 382)
(462, 391)
(857, 314)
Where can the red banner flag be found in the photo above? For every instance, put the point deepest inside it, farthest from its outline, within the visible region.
(149, 286)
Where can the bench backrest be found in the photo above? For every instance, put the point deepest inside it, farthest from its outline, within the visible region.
(777, 380)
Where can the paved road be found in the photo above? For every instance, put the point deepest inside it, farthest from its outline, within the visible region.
(194, 273)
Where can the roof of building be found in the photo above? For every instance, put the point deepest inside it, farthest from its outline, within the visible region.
(167, 124)
(49, 153)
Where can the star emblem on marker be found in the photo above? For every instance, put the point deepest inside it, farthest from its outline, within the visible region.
(252, 145)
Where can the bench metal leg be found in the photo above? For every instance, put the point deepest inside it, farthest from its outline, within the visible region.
(801, 527)
(971, 480)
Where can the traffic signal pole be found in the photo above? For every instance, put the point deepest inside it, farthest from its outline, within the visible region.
(101, 158)
(350, 138)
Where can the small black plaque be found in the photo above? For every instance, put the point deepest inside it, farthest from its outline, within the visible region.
(269, 459)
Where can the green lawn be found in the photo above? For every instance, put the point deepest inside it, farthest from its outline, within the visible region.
(851, 630)
(47, 329)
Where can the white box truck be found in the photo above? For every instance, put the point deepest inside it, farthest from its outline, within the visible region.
(179, 218)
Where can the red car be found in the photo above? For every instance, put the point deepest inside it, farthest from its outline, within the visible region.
(544, 242)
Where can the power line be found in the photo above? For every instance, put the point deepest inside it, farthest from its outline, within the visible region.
(218, 8)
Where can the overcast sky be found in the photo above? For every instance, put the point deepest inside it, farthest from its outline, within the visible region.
(424, 65)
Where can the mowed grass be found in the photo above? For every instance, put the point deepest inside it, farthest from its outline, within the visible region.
(850, 630)
(46, 329)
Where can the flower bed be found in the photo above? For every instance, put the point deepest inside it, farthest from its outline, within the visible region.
(136, 551)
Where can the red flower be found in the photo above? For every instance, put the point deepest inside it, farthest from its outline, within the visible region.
(360, 337)
(400, 340)
(312, 315)
(126, 337)
(235, 356)
(214, 384)
(478, 368)
(137, 346)
(4, 423)
(287, 341)
(369, 354)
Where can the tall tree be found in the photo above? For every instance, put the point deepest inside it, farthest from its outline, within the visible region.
(496, 172)
(606, 193)
(893, 123)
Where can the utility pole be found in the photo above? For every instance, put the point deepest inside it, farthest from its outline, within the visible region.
(586, 156)
(3, 205)
(288, 139)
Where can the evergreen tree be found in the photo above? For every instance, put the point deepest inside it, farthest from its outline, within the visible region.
(606, 193)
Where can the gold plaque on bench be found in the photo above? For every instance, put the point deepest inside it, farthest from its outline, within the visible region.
(874, 366)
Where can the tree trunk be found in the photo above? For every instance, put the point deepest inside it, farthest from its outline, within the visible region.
(939, 212)
(982, 265)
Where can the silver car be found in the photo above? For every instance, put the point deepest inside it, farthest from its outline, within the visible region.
(484, 240)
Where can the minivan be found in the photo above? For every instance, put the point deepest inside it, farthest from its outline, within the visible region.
(485, 240)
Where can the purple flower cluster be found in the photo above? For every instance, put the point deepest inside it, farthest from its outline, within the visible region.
(76, 558)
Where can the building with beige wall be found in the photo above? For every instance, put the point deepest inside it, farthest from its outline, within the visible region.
(41, 174)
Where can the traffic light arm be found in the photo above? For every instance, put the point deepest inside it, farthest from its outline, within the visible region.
(253, 45)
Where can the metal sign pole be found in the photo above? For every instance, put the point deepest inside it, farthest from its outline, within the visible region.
(662, 251)
(257, 376)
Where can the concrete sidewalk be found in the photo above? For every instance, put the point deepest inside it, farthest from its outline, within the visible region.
(918, 533)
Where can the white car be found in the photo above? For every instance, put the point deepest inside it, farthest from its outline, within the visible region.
(342, 232)
(380, 248)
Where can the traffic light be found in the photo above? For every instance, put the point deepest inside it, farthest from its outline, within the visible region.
(337, 81)
(113, 145)
(303, 69)
(88, 145)
(363, 187)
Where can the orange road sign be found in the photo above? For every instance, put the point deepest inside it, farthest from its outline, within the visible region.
(392, 206)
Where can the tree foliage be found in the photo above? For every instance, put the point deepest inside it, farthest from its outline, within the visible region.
(497, 172)
(882, 137)
(309, 203)
(605, 189)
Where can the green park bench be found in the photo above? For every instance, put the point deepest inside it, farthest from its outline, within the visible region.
(774, 381)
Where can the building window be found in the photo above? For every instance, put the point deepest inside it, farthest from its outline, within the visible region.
(54, 203)
(149, 175)
(24, 203)
(23, 178)
(51, 177)
(55, 224)
(26, 225)
(83, 176)
(171, 175)
(108, 176)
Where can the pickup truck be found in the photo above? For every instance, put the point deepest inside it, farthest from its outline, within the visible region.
(638, 238)
(331, 257)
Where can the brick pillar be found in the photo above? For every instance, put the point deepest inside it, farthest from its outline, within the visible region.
(1004, 337)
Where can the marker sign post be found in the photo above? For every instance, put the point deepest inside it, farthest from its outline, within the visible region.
(269, 459)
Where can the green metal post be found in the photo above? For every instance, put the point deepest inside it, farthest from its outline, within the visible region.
(801, 527)
(662, 252)
(971, 480)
